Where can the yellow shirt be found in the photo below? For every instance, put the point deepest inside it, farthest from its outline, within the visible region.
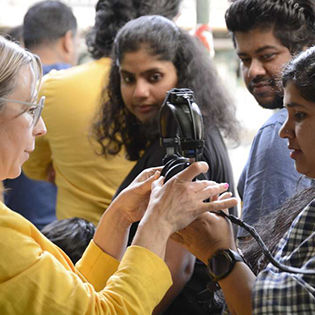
(36, 277)
(86, 182)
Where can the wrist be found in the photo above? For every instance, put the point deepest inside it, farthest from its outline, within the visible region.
(112, 225)
(222, 263)
(153, 236)
(116, 214)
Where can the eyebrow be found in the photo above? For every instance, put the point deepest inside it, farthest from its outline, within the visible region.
(257, 51)
(144, 72)
(293, 104)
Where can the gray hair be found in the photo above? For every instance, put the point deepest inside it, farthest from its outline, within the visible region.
(12, 58)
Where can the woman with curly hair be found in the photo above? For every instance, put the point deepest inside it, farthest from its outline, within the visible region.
(151, 55)
(86, 183)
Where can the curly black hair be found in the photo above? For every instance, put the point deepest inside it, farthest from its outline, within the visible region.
(117, 127)
(111, 15)
(292, 21)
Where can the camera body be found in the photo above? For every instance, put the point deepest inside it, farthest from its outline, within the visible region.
(181, 131)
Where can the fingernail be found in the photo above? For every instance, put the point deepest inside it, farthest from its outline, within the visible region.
(226, 185)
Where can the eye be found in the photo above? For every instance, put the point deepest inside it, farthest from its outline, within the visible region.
(155, 77)
(268, 57)
(127, 78)
(299, 116)
(245, 61)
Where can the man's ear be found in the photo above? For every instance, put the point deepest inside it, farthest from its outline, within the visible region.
(67, 41)
(69, 46)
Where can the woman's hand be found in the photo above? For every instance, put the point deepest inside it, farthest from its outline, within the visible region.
(208, 233)
(176, 204)
(112, 231)
(133, 200)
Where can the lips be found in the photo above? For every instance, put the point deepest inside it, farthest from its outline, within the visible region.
(295, 152)
(144, 108)
(261, 87)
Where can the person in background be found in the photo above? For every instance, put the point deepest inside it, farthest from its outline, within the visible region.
(36, 277)
(15, 34)
(273, 291)
(151, 56)
(86, 182)
(71, 235)
(266, 34)
(50, 31)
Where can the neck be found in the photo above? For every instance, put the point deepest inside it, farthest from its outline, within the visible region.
(50, 55)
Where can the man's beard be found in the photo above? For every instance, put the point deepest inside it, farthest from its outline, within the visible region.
(277, 100)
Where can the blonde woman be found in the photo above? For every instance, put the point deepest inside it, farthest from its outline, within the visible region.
(36, 277)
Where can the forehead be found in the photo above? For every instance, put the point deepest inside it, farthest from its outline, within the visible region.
(25, 85)
(256, 39)
(142, 60)
(293, 97)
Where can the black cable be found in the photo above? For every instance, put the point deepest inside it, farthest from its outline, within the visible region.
(260, 242)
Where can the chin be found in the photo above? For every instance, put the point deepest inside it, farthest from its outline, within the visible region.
(270, 102)
(14, 174)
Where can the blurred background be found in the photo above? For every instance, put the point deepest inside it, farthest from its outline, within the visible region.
(202, 17)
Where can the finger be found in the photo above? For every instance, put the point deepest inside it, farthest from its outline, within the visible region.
(214, 190)
(225, 195)
(222, 204)
(215, 206)
(147, 183)
(192, 171)
(158, 182)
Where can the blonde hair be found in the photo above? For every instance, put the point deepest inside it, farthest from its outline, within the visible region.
(12, 58)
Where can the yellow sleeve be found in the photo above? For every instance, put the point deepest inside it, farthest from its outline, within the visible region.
(96, 266)
(35, 278)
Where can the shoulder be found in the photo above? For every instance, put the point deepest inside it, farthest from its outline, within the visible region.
(277, 119)
(88, 71)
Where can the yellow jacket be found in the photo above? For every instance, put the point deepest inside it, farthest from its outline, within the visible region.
(36, 277)
(86, 182)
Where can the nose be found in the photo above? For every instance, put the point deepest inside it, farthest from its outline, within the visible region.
(286, 131)
(142, 89)
(40, 128)
(255, 69)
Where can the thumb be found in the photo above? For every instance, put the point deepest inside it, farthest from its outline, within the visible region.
(158, 182)
(147, 183)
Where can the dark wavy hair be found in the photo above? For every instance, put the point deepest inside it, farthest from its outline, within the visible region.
(292, 21)
(72, 235)
(301, 71)
(117, 127)
(111, 15)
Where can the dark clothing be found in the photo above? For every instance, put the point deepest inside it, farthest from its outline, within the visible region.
(33, 199)
(195, 298)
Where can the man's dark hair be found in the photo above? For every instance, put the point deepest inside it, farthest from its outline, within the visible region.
(71, 235)
(111, 15)
(292, 21)
(117, 127)
(46, 22)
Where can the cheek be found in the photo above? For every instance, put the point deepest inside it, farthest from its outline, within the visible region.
(306, 140)
(126, 94)
(161, 91)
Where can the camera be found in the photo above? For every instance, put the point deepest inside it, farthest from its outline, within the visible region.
(181, 131)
